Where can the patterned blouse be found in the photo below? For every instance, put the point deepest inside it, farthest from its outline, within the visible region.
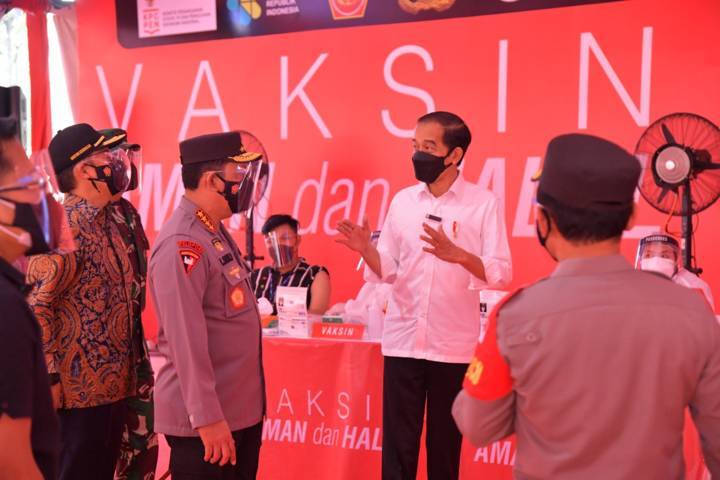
(83, 302)
(266, 280)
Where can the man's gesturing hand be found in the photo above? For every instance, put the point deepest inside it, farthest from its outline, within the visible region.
(355, 237)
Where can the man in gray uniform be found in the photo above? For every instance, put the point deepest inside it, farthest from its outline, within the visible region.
(594, 366)
(212, 385)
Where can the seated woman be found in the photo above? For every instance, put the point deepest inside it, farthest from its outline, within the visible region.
(288, 268)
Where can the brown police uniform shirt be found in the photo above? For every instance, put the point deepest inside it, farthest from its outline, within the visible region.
(209, 328)
(603, 360)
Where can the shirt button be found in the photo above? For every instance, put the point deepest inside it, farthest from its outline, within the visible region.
(531, 337)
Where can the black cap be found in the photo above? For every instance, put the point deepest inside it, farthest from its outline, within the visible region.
(114, 137)
(73, 144)
(215, 146)
(587, 172)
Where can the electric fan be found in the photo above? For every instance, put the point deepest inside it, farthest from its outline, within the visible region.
(252, 144)
(680, 155)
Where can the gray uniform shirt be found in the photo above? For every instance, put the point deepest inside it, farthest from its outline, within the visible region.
(604, 360)
(209, 328)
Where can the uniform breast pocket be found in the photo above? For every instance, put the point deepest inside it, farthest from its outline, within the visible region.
(239, 297)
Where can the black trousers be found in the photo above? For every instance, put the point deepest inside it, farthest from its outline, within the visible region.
(407, 384)
(90, 441)
(186, 457)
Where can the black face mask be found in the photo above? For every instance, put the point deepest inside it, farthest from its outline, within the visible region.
(541, 239)
(237, 194)
(114, 176)
(27, 219)
(428, 167)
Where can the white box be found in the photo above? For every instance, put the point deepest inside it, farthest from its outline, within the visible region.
(294, 327)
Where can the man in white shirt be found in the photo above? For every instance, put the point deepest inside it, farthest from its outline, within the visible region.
(443, 240)
(660, 253)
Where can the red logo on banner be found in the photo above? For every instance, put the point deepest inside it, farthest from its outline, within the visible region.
(343, 331)
(345, 9)
(151, 21)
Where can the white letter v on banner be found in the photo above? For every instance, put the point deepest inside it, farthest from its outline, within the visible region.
(108, 100)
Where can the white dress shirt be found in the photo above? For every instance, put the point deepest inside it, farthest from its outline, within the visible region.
(434, 308)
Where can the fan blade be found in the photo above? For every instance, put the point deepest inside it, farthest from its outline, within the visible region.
(662, 195)
(668, 135)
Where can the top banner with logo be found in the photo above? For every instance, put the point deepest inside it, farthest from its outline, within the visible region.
(156, 22)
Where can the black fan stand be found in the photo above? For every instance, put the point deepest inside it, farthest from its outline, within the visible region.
(250, 256)
(687, 229)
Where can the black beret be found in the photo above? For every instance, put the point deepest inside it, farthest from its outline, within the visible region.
(215, 146)
(587, 172)
(72, 144)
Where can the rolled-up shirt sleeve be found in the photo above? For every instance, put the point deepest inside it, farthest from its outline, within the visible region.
(389, 250)
(178, 294)
(494, 250)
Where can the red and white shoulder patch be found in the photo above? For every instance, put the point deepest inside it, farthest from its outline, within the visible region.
(488, 376)
(190, 253)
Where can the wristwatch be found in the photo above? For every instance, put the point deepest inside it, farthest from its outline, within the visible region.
(54, 378)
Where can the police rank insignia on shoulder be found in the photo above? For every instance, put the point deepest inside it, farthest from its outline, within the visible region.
(205, 220)
(190, 253)
(237, 297)
(217, 243)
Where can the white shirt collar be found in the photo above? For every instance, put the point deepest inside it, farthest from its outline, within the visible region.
(456, 189)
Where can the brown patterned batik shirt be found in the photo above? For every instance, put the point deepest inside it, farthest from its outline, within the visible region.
(83, 302)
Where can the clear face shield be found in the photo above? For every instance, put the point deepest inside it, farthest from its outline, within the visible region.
(282, 247)
(135, 156)
(658, 253)
(112, 167)
(244, 184)
(31, 214)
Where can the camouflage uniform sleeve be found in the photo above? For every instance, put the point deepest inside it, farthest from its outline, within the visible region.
(179, 272)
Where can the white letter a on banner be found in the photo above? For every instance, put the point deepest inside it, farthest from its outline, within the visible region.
(204, 70)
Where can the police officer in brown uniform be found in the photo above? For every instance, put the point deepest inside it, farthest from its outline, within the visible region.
(210, 395)
(593, 367)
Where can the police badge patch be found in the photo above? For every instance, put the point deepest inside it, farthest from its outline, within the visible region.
(190, 253)
(237, 297)
(217, 243)
(189, 259)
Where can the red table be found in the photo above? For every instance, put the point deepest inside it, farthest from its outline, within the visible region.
(324, 417)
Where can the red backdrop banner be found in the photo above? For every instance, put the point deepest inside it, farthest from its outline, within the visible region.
(335, 108)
